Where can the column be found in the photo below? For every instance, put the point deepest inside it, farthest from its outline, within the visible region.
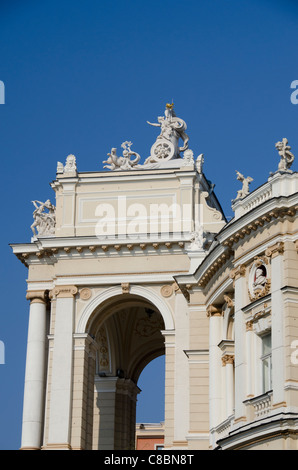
(104, 413)
(215, 386)
(125, 407)
(251, 360)
(61, 383)
(228, 363)
(34, 392)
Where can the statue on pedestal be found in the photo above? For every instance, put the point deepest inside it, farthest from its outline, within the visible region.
(286, 157)
(244, 191)
(172, 129)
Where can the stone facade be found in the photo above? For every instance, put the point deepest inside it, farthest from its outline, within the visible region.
(142, 262)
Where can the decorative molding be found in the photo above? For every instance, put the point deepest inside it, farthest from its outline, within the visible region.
(227, 359)
(214, 268)
(229, 299)
(85, 293)
(125, 287)
(146, 327)
(238, 272)
(103, 350)
(254, 225)
(262, 292)
(275, 250)
(259, 281)
(27, 257)
(166, 291)
(214, 311)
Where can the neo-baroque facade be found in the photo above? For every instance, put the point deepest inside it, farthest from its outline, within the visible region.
(138, 260)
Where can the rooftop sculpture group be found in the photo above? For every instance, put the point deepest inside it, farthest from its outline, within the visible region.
(165, 148)
(44, 222)
(286, 161)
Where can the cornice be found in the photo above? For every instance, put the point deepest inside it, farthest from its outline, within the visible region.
(242, 228)
(276, 208)
(50, 250)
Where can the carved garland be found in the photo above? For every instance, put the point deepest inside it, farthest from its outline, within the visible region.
(103, 350)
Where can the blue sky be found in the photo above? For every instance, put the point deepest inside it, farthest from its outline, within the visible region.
(81, 77)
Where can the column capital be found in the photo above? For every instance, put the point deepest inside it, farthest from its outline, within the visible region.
(37, 296)
(238, 272)
(227, 359)
(214, 311)
(229, 300)
(275, 250)
(64, 291)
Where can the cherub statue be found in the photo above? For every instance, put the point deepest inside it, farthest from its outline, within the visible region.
(244, 191)
(286, 157)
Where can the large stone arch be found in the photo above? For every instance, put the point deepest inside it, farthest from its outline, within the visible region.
(101, 301)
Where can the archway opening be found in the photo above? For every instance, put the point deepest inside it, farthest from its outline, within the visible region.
(150, 413)
(128, 337)
(151, 404)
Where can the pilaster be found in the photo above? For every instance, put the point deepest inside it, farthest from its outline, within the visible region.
(62, 369)
(238, 275)
(169, 336)
(275, 252)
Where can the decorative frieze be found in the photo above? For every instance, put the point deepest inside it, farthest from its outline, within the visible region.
(257, 223)
(50, 254)
(214, 268)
